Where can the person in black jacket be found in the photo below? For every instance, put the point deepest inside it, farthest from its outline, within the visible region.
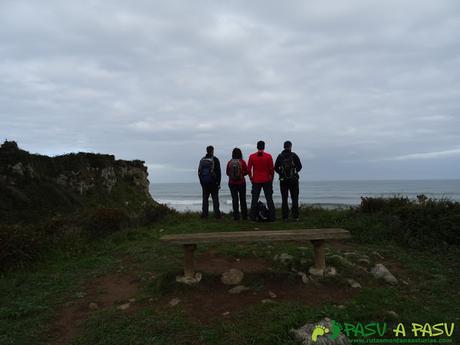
(287, 166)
(210, 176)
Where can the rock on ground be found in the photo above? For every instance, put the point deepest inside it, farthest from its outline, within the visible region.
(238, 289)
(189, 280)
(354, 284)
(174, 301)
(379, 271)
(330, 271)
(232, 277)
(316, 272)
(320, 330)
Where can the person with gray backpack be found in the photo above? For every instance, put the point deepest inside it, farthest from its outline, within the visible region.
(210, 177)
(287, 166)
(236, 172)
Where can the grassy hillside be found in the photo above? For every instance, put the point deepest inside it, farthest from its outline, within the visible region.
(119, 289)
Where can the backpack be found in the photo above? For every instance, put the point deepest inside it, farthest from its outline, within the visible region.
(263, 214)
(236, 170)
(287, 167)
(207, 174)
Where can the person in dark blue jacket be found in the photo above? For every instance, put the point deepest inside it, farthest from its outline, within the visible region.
(210, 176)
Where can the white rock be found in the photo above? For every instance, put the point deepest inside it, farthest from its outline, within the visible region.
(93, 306)
(238, 289)
(285, 258)
(354, 284)
(330, 271)
(378, 255)
(272, 294)
(364, 261)
(174, 301)
(393, 314)
(232, 277)
(316, 271)
(124, 306)
(225, 313)
(268, 300)
(189, 280)
(379, 271)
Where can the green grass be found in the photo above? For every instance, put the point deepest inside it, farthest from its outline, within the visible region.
(29, 298)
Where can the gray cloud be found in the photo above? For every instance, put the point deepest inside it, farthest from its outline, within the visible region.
(352, 83)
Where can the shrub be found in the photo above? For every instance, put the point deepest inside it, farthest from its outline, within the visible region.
(104, 221)
(421, 223)
(155, 213)
(20, 245)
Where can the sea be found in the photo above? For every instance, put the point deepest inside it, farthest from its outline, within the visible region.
(327, 194)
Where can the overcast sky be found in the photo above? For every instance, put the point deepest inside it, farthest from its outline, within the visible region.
(364, 89)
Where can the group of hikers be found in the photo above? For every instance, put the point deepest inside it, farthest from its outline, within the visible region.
(261, 172)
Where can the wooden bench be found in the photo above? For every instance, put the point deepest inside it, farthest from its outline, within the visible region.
(316, 236)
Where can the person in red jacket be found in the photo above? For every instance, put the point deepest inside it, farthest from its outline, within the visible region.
(261, 173)
(236, 171)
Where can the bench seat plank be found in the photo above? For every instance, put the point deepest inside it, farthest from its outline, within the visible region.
(258, 236)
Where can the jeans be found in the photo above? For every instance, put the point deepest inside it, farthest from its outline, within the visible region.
(290, 187)
(238, 192)
(268, 192)
(212, 190)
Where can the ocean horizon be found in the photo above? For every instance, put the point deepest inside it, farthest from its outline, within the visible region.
(186, 196)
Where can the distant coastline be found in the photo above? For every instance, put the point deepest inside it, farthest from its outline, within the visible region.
(328, 194)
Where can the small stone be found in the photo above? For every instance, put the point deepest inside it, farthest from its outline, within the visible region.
(379, 271)
(330, 271)
(350, 254)
(405, 282)
(256, 228)
(341, 307)
(124, 306)
(305, 278)
(364, 261)
(238, 260)
(268, 301)
(132, 300)
(232, 277)
(392, 314)
(354, 284)
(316, 271)
(377, 254)
(341, 260)
(285, 258)
(226, 313)
(93, 306)
(238, 289)
(272, 294)
(161, 230)
(189, 280)
(174, 302)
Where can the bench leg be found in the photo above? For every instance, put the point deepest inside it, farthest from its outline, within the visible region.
(189, 264)
(320, 257)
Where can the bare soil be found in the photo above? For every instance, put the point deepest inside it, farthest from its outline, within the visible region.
(105, 291)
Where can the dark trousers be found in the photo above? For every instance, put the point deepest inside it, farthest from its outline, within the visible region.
(214, 192)
(290, 187)
(268, 192)
(238, 192)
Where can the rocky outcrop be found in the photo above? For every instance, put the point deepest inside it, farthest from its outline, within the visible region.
(32, 184)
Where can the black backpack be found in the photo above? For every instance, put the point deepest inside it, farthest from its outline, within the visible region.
(263, 214)
(207, 174)
(288, 169)
(236, 170)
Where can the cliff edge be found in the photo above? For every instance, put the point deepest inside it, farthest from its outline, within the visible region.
(33, 186)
